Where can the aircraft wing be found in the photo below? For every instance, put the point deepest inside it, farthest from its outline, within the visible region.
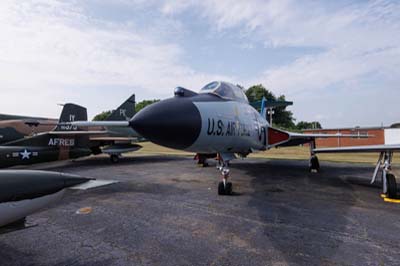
(281, 138)
(96, 124)
(360, 149)
(119, 139)
(102, 132)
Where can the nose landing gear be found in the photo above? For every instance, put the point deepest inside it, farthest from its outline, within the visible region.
(225, 187)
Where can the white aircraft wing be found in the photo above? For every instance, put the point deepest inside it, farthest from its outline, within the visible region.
(361, 149)
(281, 138)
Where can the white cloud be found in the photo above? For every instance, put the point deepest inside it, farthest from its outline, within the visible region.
(352, 41)
(56, 51)
(52, 51)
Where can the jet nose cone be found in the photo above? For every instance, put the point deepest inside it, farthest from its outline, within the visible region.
(173, 123)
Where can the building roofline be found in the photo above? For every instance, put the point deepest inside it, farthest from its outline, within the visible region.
(347, 128)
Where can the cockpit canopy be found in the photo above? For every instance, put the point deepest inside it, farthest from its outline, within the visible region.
(225, 90)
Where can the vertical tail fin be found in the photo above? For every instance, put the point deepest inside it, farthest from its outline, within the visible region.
(70, 113)
(125, 111)
(263, 111)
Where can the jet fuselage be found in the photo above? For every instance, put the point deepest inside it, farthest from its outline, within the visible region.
(203, 123)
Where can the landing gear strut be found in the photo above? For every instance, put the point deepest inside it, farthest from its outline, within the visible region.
(224, 187)
(314, 162)
(384, 165)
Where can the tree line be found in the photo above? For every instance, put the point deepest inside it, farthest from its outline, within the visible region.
(282, 118)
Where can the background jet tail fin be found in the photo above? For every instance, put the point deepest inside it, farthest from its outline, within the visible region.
(125, 112)
(263, 111)
(70, 113)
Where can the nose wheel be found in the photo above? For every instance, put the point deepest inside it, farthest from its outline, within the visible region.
(224, 187)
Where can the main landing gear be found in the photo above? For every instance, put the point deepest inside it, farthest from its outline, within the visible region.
(201, 160)
(114, 158)
(314, 162)
(384, 165)
(224, 187)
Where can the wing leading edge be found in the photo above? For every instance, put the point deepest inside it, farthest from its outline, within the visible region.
(360, 149)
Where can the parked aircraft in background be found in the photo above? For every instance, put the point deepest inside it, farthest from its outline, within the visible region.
(25, 192)
(116, 140)
(17, 127)
(61, 143)
(21, 145)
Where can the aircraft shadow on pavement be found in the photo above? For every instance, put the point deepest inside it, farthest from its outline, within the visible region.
(305, 213)
(105, 162)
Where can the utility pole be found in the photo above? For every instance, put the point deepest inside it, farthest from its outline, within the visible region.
(270, 112)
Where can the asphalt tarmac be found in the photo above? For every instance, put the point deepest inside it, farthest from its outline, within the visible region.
(166, 211)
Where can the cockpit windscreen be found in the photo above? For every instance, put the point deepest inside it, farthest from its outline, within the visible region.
(225, 90)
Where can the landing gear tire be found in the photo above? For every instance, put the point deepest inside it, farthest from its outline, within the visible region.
(202, 164)
(114, 158)
(221, 188)
(225, 190)
(314, 164)
(228, 188)
(391, 186)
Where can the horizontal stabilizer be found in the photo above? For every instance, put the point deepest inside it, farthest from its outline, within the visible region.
(94, 184)
(118, 149)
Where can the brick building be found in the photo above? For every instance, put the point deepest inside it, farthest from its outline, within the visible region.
(377, 136)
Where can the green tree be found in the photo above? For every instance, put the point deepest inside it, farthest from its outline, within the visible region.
(144, 103)
(102, 116)
(302, 125)
(257, 92)
(281, 118)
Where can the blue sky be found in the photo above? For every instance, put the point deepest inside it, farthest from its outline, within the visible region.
(339, 61)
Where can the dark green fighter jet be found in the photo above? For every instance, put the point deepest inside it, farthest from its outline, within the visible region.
(28, 140)
(13, 127)
(63, 142)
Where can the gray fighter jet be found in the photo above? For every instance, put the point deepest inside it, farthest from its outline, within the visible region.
(25, 192)
(217, 120)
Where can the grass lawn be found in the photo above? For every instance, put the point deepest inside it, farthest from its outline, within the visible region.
(293, 153)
